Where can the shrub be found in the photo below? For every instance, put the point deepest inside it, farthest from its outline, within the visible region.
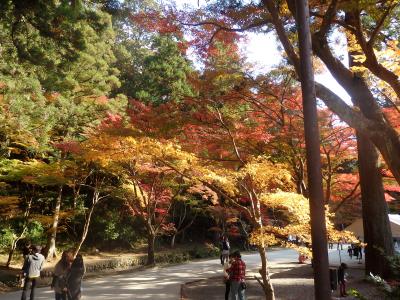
(6, 238)
(208, 250)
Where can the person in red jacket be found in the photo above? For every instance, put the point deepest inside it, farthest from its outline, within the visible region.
(237, 275)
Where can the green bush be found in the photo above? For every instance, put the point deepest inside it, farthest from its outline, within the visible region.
(36, 233)
(6, 238)
(356, 294)
(208, 250)
(171, 258)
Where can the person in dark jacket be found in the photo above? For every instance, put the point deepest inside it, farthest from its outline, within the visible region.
(225, 246)
(355, 251)
(341, 279)
(26, 250)
(33, 264)
(350, 251)
(74, 278)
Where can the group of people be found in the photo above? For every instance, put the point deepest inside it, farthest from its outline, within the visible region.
(67, 275)
(355, 250)
(234, 277)
(234, 270)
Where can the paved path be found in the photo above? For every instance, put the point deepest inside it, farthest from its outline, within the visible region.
(165, 282)
(156, 283)
(337, 256)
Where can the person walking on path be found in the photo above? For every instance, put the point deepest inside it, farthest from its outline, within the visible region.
(74, 278)
(341, 280)
(225, 247)
(33, 264)
(355, 251)
(59, 283)
(350, 251)
(237, 275)
(360, 249)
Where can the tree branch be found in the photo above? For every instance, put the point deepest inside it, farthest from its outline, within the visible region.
(328, 18)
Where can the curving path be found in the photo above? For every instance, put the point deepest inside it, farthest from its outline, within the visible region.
(156, 283)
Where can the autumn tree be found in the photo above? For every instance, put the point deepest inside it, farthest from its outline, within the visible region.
(96, 185)
(15, 221)
(147, 184)
(369, 120)
(187, 207)
(36, 175)
(338, 151)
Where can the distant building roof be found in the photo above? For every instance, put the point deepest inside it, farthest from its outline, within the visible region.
(357, 226)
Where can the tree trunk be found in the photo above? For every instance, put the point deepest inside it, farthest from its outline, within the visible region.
(266, 280)
(51, 251)
(374, 125)
(22, 235)
(182, 230)
(264, 272)
(85, 230)
(381, 133)
(312, 141)
(151, 238)
(377, 231)
(11, 252)
(173, 240)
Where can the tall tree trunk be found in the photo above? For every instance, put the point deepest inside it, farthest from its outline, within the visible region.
(51, 251)
(377, 231)
(266, 280)
(312, 141)
(151, 238)
(85, 230)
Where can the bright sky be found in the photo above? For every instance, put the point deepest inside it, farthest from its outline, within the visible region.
(263, 53)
